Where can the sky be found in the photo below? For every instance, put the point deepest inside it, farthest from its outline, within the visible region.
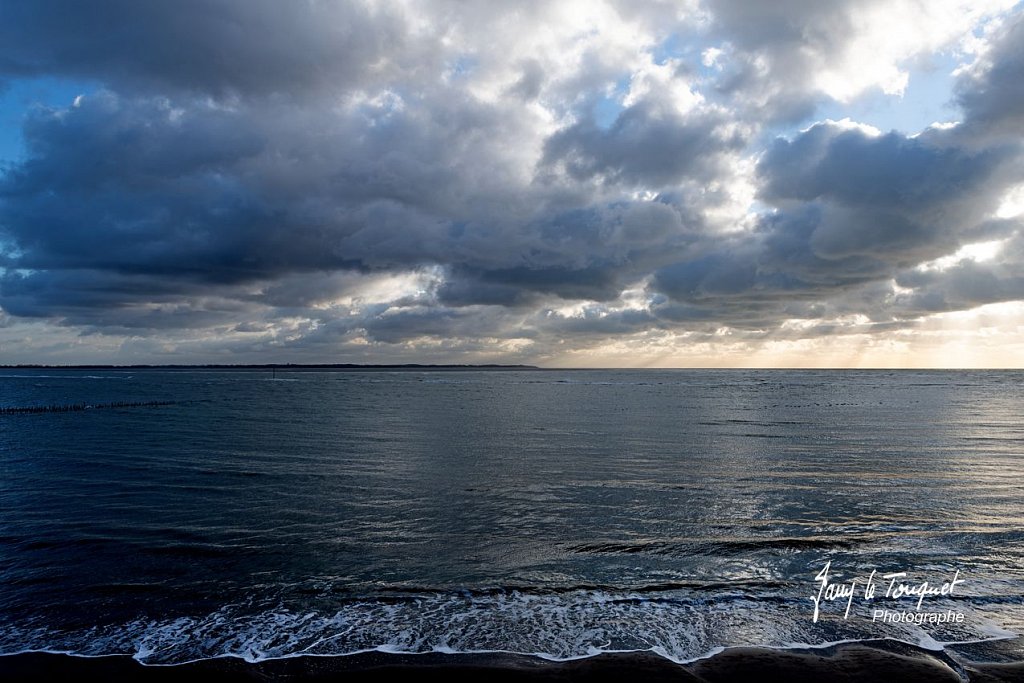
(726, 183)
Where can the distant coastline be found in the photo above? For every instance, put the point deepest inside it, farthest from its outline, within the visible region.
(291, 367)
(357, 367)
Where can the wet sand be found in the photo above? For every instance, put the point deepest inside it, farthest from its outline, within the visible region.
(875, 662)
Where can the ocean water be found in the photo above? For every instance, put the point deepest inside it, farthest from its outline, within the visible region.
(558, 513)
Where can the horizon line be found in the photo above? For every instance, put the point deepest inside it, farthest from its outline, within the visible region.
(454, 366)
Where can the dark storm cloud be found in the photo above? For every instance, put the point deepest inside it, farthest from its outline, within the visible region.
(645, 146)
(230, 195)
(853, 167)
(587, 283)
(218, 46)
(992, 93)
(887, 196)
(142, 187)
(467, 289)
(853, 208)
(591, 253)
(201, 193)
(966, 283)
(105, 140)
(397, 326)
(115, 303)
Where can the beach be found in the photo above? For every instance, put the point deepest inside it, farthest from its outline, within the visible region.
(851, 663)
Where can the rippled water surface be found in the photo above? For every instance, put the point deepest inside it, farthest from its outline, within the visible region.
(553, 512)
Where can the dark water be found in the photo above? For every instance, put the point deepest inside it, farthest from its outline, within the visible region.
(557, 513)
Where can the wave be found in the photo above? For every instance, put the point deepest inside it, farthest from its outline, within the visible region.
(690, 548)
(554, 627)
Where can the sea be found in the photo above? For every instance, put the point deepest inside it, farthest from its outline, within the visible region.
(181, 515)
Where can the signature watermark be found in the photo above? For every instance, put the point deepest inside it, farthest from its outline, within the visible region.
(891, 586)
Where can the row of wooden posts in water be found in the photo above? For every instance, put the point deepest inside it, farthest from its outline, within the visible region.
(75, 407)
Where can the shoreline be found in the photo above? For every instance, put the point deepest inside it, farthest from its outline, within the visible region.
(849, 662)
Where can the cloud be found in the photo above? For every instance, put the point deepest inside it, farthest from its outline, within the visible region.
(963, 282)
(991, 91)
(889, 196)
(646, 147)
(853, 208)
(212, 46)
(783, 57)
(383, 177)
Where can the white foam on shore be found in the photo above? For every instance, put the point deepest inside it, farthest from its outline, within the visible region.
(561, 627)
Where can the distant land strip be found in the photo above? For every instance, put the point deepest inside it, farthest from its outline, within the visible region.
(273, 366)
(75, 407)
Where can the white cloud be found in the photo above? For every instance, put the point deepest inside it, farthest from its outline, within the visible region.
(887, 36)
